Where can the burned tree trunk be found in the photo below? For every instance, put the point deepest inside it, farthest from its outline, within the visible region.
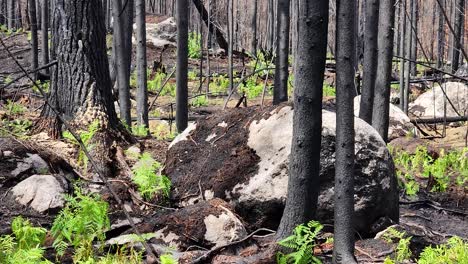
(457, 37)
(182, 66)
(280, 93)
(34, 41)
(380, 116)
(344, 166)
(213, 29)
(303, 184)
(142, 92)
(45, 34)
(370, 60)
(80, 84)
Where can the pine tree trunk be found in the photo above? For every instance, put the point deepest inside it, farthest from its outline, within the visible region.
(10, 14)
(303, 183)
(45, 34)
(254, 29)
(213, 29)
(344, 166)
(123, 78)
(457, 38)
(440, 36)
(280, 92)
(414, 36)
(408, 47)
(380, 116)
(142, 92)
(182, 65)
(370, 60)
(230, 41)
(34, 41)
(80, 84)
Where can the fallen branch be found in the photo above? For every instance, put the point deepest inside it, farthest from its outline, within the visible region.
(436, 120)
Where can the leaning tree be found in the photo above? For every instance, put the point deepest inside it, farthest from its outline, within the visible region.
(80, 90)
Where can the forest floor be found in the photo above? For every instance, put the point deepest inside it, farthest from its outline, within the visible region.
(429, 217)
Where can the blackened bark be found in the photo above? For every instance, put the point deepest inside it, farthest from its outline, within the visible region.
(34, 41)
(142, 92)
(45, 34)
(182, 65)
(402, 51)
(123, 78)
(380, 117)
(80, 84)
(280, 92)
(344, 166)
(254, 29)
(230, 41)
(303, 184)
(212, 28)
(408, 48)
(10, 14)
(457, 37)
(414, 36)
(440, 36)
(370, 60)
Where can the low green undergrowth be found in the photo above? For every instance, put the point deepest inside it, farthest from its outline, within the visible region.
(450, 168)
(302, 242)
(86, 136)
(149, 180)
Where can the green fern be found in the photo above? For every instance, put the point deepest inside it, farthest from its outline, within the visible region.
(82, 220)
(453, 252)
(26, 235)
(167, 259)
(302, 242)
(146, 176)
(86, 137)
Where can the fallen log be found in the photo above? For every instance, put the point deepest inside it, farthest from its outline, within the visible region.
(436, 120)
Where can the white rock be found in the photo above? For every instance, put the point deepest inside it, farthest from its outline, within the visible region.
(40, 192)
(223, 229)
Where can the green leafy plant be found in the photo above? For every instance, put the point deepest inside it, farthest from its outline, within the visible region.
(163, 132)
(121, 256)
(194, 48)
(25, 246)
(329, 90)
(199, 101)
(402, 250)
(148, 179)
(302, 241)
(14, 108)
(453, 252)
(251, 88)
(81, 221)
(18, 127)
(140, 131)
(86, 137)
(167, 259)
(219, 84)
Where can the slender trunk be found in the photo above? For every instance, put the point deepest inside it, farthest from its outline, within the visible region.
(10, 14)
(121, 66)
(380, 117)
(230, 40)
(457, 37)
(208, 45)
(414, 35)
(182, 65)
(142, 92)
(304, 165)
(280, 93)
(45, 34)
(344, 167)
(254, 28)
(34, 41)
(370, 60)
(408, 47)
(440, 37)
(213, 28)
(402, 51)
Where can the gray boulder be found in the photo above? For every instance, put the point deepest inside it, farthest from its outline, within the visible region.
(400, 124)
(41, 192)
(242, 156)
(161, 34)
(431, 103)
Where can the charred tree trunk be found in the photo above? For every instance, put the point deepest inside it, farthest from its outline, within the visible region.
(123, 77)
(280, 92)
(142, 92)
(34, 41)
(45, 34)
(212, 28)
(370, 60)
(80, 84)
(414, 35)
(344, 167)
(457, 37)
(182, 66)
(380, 116)
(304, 166)
(408, 47)
(230, 40)
(254, 28)
(10, 14)
(440, 36)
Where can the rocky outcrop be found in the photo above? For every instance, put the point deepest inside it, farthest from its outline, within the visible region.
(161, 34)
(431, 103)
(242, 156)
(399, 124)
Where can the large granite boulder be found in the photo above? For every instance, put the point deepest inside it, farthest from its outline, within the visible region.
(242, 156)
(161, 34)
(400, 124)
(431, 103)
